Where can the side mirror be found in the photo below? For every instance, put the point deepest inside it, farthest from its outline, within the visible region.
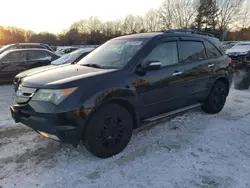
(152, 65)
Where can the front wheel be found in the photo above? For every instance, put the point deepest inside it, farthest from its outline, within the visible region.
(108, 131)
(216, 99)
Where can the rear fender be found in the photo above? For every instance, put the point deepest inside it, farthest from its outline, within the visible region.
(224, 78)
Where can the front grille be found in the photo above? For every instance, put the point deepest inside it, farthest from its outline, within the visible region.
(24, 94)
(239, 57)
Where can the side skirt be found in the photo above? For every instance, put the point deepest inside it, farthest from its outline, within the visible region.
(150, 122)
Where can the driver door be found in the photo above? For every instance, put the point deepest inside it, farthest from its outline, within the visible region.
(161, 90)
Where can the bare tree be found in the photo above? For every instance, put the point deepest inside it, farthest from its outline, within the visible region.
(165, 14)
(129, 24)
(117, 24)
(81, 26)
(94, 24)
(184, 12)
(178, 13)
(227, 12)
(28, 34)
(243, 19)
(151, 20)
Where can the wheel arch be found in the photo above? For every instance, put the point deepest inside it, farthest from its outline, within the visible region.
(225, 81)
(130, 108)
(123, 103)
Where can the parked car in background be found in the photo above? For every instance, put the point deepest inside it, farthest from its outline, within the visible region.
(66, 59)
(239, 53)
(228, 44)
(54, 48)
(25, 46)
(13, 62)
(66, 50)
(124, 83)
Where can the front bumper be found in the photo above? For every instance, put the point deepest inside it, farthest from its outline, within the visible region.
(64, 127)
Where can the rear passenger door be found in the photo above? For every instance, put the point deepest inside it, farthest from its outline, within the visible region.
(196, 68)
(38, 58)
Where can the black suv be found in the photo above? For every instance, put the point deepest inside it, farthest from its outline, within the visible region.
(124, 83)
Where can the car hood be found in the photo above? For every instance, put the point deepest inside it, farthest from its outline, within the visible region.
(238, 50)
(35, 71)
(62, 76)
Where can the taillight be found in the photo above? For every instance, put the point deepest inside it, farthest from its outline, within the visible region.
(230, 60)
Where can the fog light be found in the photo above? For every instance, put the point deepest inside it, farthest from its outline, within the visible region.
(51, 136)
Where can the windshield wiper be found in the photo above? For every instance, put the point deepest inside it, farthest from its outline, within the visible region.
(94, 65)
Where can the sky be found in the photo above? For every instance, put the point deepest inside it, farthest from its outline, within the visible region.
(56, 15)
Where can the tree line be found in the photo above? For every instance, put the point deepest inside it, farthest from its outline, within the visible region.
(226, 19)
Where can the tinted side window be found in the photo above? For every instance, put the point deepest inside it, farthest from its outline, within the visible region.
(166, 53)
(192, 51)
(212, 52)
(32, 46)
(38, 55)
(15, 57)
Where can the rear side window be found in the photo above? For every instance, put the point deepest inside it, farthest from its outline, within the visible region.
(33, 46)
(38, 55)
(15, 57)
(212, 52)
(191, 51)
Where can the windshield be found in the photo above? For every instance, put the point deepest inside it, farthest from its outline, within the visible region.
(114, 54)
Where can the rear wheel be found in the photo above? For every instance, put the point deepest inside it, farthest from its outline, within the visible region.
(216, 99)
(108, 131)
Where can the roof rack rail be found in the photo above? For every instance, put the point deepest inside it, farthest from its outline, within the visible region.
(189, 31)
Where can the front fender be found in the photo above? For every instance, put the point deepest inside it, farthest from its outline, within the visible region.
(110, 94)
(95, 101)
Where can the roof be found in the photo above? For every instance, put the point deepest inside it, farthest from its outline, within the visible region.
(28, 44)
(167, 34)
(28, 49)
(140, 35)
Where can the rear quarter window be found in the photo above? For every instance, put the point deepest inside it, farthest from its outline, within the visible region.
(191, 51)
(212, 51)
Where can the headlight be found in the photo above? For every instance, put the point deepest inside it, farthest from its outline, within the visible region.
(53, 95)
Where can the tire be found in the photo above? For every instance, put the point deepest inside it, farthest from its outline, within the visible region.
(216, 99)
(108, 131)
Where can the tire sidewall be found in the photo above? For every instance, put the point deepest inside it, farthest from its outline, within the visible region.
(208, 105)
(94, 124)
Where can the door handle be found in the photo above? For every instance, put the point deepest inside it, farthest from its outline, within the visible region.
(210, 65)
(177, 73)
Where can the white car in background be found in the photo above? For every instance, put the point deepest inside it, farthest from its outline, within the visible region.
(66, 50)
(239, 52)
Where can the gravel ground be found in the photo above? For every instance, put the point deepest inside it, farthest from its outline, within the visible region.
(191, 150)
